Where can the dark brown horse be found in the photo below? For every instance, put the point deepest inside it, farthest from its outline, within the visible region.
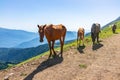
(52, 33)
(95, 30)
(114, 28)
(80, 36)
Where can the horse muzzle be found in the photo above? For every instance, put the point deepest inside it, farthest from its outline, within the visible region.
(41, 40)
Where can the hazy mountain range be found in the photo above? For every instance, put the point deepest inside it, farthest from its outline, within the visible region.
(22, 39)
(11, 38)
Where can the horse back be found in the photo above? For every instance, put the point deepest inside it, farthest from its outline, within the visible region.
(95, 28)
(54, 32)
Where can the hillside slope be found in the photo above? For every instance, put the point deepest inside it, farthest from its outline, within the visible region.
(112, 22)
(98, 63)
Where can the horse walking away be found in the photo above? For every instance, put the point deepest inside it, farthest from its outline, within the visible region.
(80, 36)
(52, 33)
(95, 30)
(114, 28)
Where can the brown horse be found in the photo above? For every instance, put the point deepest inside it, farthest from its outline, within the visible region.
(52, 33)
(114, 28)
(95, 30)
(80, 36)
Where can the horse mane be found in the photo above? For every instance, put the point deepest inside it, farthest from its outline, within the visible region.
(49, 24)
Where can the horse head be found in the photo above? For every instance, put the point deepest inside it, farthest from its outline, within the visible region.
(41, 31)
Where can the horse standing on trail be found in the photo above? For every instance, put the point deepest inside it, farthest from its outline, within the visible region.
(80, 36)
(114, 28)
(52, 33)
(95, 30)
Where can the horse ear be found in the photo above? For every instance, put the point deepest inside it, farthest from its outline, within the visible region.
(38, 26)
(44, 26)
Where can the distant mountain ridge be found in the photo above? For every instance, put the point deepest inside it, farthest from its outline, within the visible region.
(10, 37)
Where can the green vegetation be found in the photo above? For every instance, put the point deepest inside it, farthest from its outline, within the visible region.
(23, 74)
(105, 33)
(10, 65)
(82, 66)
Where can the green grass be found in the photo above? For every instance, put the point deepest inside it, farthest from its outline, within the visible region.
(82, 66)
(105, 33)
(23, 74)
(10, 65)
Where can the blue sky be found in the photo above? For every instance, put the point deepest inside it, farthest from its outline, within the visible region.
(26, 14)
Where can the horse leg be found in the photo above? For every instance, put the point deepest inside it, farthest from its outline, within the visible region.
(49, 42)
(113, 30)
(62, 39)
(80, 41)
(53, 47)
(97, 37)
(83, 41)
(77, 41)
(62, 43)
(93, 38)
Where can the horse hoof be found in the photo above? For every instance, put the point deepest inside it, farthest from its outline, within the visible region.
(54, 56)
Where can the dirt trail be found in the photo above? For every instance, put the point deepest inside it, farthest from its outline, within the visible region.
(102, 63)
(107, 66)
